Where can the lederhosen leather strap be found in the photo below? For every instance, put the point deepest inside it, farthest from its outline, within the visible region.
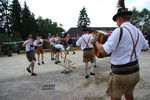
(134, 44)
(86, 43)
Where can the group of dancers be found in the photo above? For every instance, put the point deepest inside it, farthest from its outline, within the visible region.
(56, 47)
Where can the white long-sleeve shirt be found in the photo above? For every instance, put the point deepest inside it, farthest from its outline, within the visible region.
(87, 37)
(121, 54)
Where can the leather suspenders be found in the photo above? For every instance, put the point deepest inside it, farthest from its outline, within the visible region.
(134, 44)
(86, 43)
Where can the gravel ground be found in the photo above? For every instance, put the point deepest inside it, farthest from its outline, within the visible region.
(50, 84)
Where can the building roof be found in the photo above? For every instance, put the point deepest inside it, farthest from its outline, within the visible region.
(76, 31)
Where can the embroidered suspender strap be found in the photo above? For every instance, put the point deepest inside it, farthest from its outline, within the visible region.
(134, 44)
(86, 43)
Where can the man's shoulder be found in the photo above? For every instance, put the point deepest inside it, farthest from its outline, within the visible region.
(116, 31)
(118, 28)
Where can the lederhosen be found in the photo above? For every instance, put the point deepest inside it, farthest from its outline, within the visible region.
(30, 54)
(88, 53)
(130, 67)
(51, 45)
(54, 49)
(39, 49)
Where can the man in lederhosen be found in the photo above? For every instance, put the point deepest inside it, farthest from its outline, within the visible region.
(60, 49)
(56, 48)
(52, 43)
(29, 47)
(39, 49)
(124, 45)
(88, 54)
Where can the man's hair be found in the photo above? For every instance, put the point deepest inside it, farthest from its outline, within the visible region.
(30, 36)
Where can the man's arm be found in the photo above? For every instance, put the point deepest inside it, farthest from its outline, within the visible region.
(78, 43)
(25, 43)
(145, 45)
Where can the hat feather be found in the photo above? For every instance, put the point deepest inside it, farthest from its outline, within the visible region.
(121, 4)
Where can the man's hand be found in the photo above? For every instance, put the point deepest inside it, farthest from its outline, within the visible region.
(92, 41)
(101, 49)
(93, 35)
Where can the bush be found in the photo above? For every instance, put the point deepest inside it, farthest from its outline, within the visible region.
(16, 37)
(4, 37)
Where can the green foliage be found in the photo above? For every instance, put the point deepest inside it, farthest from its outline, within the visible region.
(20, 22)
(1, 13)
(16, 37)
(5, 16)
(4, 37)
(16, 16)
(141, 20)
(47, 26)
(83, 18)
(29, 25)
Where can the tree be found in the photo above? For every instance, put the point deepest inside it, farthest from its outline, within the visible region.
(21, 22)
(16, 16)
(29, 24)
(47, 26)
(134, 17)
(34, 24)
(1, 16)
(25, 21)
(145, 21)
(5, 17)
(83, 18)
(141, 20)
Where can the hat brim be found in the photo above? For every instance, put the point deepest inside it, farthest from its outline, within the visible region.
(121, 14)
